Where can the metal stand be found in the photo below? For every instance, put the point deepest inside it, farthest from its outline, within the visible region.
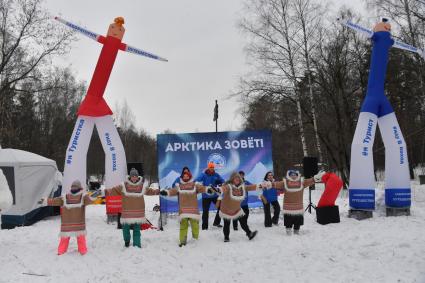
(310, 204)
(392, 211)
(160, 224)
(360, 214)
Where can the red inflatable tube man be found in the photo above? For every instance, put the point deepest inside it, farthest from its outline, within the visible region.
(333, 185)
(93, 104)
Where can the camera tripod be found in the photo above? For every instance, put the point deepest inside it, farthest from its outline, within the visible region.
(310, 204)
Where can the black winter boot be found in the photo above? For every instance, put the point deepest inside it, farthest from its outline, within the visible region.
(252, 235)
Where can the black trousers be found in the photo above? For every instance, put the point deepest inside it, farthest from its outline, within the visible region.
(235, 221)
(244, 225)
(293, 220)
(268, 220)
(206, 203)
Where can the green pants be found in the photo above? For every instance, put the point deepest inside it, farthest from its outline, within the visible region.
(184, 226)
(136, 234)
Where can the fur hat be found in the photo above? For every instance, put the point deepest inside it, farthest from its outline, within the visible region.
(293, 174)
(188, 174)
(233, 176)
(134, 172)
(76, 184)
(184, 169)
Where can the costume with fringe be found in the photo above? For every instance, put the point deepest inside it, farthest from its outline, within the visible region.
(73, 215)
(133, 201)
(187, 195)
(231, 199)
(293, 208)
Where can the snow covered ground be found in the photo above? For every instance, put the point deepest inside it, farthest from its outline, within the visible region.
(380, 249)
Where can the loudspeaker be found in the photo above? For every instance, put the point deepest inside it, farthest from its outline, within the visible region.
(327, 214)
(310, 166)
(137, 165)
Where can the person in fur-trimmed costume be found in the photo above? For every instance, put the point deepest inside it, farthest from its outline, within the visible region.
(132, 191)
(6, 199)
(233, 192)
(187, 190)
(293, 188)
(244, 203)
(73, 216)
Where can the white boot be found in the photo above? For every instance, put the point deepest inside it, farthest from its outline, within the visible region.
(289, 231)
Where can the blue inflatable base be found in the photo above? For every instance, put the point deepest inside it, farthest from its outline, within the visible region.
(363, 199)
(398, 197)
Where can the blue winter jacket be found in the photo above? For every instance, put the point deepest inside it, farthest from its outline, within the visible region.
(210, 180)
(245, 201)
(270, 194)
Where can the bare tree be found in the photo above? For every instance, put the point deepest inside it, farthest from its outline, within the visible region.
(309, 16)
(28, 38)
(124, 116)
(272, 27)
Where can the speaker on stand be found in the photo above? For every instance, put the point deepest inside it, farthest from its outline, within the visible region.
(311, 168)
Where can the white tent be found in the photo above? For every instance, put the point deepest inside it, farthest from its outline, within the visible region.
(30, 177)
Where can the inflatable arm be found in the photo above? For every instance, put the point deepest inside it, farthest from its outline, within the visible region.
(100, 39)
(362, 30)
(79, 29)
(140, 52)
(6, 200)
(369, 33)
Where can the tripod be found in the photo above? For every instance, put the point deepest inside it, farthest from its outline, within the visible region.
(310, 204)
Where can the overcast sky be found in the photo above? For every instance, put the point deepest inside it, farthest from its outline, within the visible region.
(199, 38)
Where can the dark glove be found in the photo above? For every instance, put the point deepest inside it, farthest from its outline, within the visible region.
(163, 193)
(210, 191)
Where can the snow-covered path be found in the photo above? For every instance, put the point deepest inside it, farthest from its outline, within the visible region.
(380, 249)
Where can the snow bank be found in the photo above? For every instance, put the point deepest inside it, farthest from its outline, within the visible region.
(380, 249)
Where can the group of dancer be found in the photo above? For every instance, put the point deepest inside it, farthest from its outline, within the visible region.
(230, 198)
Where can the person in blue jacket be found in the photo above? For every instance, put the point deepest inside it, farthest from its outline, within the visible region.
(177, 180)
(244, 203)
(270, 197)
(209, 178)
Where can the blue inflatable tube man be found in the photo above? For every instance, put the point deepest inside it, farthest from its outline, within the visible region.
(377, 110)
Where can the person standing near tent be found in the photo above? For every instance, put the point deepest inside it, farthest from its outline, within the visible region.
(73, 216)
(269, 197)
(6, 199)
(133, 205)
(233, 192)
(187, 190)
(293, 187)
(244, 203)
(210, 178)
